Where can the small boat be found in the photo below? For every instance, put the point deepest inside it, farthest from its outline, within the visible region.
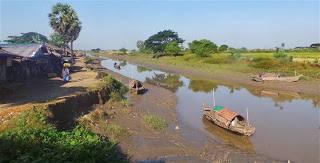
(117, 66)
(274, 77)
(137, 87)
(227, 119)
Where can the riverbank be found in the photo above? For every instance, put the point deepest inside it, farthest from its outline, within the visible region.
(184, 144)
(308, 87)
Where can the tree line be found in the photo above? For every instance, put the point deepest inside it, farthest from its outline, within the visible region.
(168, 42)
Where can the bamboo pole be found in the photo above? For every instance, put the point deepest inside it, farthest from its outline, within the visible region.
(214, 102)
(247, 116)
(132, 72)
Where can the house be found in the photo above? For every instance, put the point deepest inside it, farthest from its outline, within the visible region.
(31, 59)
(6, 59)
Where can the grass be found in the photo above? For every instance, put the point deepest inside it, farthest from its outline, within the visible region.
(154, 122)
(115, 86)
(30, 137)
(244, 63)
(125, 103)
(115, 131)
(88, 60)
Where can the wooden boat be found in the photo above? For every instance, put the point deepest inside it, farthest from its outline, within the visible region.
(117, 66)
(275, 78)
(137, 87)
(227, 119)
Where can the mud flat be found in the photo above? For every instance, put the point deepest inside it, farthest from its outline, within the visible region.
(177, 145)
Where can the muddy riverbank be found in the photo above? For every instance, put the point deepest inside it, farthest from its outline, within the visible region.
(300, 86)
(183, 145)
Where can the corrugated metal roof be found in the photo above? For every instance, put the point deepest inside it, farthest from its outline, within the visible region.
(4, 53)
(24, 50)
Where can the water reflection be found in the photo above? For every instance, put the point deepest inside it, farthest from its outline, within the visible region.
(287, 122)
(123, 63)
(142, 69)
(242, 142)
(202, 86)
(169, 81)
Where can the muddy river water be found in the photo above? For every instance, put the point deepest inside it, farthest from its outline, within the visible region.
(287, 123)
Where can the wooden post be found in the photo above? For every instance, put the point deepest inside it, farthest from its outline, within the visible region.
(132, 72)
(247, 116)
(214, 102)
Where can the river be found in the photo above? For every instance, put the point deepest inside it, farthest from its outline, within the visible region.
(287, 123)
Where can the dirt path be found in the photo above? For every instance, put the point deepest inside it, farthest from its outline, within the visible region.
(239, 78)
(43, 90)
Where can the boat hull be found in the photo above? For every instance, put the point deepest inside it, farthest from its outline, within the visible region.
(289, 79)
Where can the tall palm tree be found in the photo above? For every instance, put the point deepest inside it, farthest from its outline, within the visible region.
(63, 19)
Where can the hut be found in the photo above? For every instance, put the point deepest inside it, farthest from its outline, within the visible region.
(6, 59)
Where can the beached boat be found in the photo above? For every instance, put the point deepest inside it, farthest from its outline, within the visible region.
(275, 77)
(137, 87)
(117, 66)
(227, 119)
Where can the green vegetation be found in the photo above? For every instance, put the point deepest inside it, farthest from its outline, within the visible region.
(123, 51)
(125, 102)
(88, 60)
(223, 48)
(154, 122)
(159, 41)
(115, 131)
(116, 87)
(27, 38)
(58, 40)
(30, 137)
(173, 48)
(64, 20)
(202, 48)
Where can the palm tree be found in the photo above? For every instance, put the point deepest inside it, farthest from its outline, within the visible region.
(64, 20)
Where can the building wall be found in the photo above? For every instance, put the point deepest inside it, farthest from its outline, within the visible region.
(3, 69)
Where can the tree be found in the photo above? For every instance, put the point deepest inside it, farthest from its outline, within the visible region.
(140, 44)
(173, 48)
(202, 48)
(315, 45)
(27, 38)
(97, 50)
(223, 48)
(159, 41)
(58, 40)
(64, 20)
(282, 45)
(123, 51)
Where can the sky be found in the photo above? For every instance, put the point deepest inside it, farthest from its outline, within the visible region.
(120, 24)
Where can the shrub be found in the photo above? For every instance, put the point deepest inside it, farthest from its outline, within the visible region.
(202, 48)
(32, 139)
(88, 60)
(280, 55)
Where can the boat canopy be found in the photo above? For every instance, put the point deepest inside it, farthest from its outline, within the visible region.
(217, 108)
(227, 116)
